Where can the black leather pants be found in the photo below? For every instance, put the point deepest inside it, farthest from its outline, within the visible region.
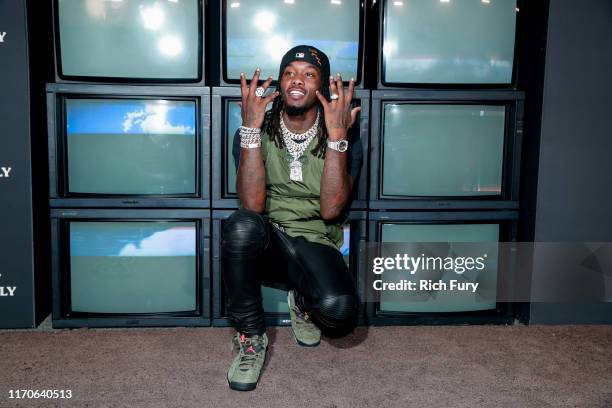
(254, 251)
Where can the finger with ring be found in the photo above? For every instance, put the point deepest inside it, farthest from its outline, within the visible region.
(333, 90)
(259, 91)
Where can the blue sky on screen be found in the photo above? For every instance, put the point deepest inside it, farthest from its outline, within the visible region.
(132, 239)
(123, 116)
(347, 240)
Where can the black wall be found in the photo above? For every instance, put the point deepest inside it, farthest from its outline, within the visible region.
(574, 188)
(23, 239)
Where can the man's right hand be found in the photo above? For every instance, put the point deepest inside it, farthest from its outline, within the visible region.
(253, 107)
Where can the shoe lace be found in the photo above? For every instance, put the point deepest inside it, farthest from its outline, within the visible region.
(249, 357)
(304, 322)
(302, 316)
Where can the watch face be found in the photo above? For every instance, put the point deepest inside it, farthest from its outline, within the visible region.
(342, 145)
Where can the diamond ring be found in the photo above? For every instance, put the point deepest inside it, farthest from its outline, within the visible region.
(259, 91)
(333, 97)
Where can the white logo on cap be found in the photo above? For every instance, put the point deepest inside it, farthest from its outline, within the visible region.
(299, 55)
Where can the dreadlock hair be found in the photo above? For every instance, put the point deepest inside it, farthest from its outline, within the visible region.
(272, 127)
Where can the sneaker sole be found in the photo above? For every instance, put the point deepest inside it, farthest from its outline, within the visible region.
(241, 386)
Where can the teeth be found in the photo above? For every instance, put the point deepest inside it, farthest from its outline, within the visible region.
(296, 93)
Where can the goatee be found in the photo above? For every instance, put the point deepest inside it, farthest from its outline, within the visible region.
(295, 110)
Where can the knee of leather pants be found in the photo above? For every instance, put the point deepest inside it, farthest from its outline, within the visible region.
(336, 314)
(245, 234)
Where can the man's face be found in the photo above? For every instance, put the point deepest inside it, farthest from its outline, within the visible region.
(299, 82)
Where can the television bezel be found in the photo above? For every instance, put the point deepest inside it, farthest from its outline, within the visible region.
(356, 261)
(502, 314)
(68, 79)
(219, 100)
(63, 318)
(58, 194)
(381, 84)
(220, 48)
(513, 132)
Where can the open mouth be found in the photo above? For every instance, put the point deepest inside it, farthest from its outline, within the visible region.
(295, 93)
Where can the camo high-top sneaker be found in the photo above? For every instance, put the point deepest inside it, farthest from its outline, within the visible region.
(244, 372)
(304, 330)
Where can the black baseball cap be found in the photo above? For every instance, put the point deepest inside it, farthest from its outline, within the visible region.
(312, 55)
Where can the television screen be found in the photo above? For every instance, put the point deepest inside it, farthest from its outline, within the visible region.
(131, 146)
(442, 150)
(275, 300)
(121, 267)
(442, 301)
(140, 39)
(234, 121)
(449, 41)
(259, 32)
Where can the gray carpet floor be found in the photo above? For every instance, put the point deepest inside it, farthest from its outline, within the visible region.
(422, 366)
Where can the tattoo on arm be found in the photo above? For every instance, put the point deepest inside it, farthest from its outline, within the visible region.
(335, 184)
(251, 180)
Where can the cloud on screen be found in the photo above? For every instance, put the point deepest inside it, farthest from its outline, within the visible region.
(180, 241)
(153, 119)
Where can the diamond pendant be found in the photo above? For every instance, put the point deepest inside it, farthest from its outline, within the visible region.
(295, 173)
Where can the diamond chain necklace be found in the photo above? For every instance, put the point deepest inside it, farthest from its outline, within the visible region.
(294, 148)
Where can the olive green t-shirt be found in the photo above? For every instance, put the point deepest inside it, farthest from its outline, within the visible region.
(295, 205)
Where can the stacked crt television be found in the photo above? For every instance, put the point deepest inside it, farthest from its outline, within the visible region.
(254, 34)
(142, 174)
(129, 155)
(446, 125)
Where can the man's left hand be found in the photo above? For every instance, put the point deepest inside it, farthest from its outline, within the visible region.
(339, 116)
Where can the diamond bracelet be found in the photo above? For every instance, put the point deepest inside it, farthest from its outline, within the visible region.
(250, 138)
